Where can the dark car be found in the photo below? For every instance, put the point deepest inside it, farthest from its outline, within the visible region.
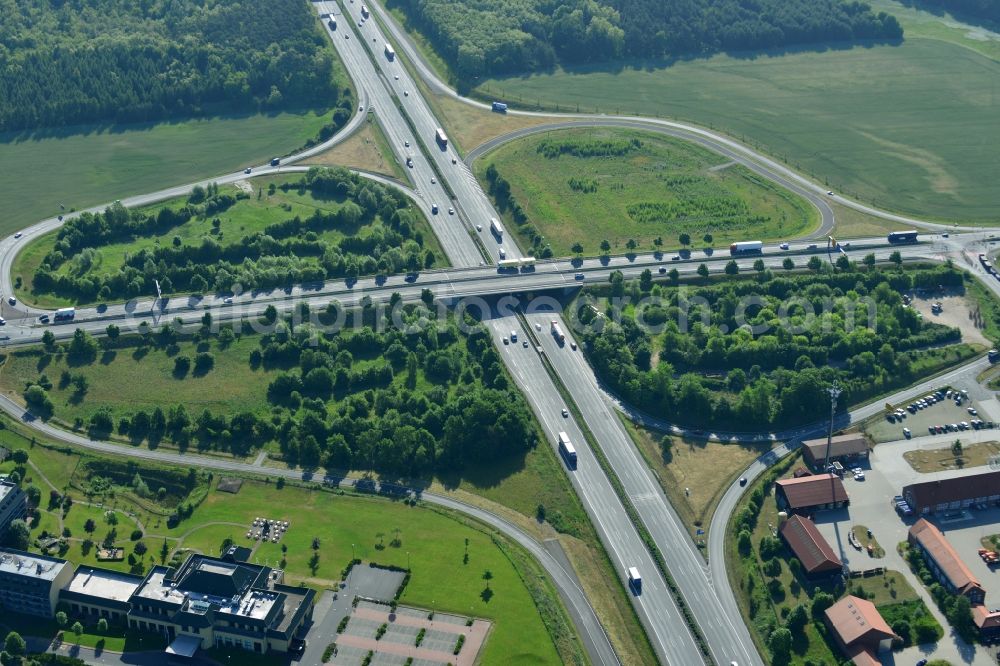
(743, 480)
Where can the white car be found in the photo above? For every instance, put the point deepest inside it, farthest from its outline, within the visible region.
(859, 476)
(228, 300)
(3, 322)
(434, 181)
(479, 227)
(784, 246)
(906, 433)
(406, 144)
(565, 413)
(451, 211)
(972, 410)
(12, 300)
(397, 77)
(406, 93)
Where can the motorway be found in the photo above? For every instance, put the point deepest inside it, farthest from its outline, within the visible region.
(473, 253)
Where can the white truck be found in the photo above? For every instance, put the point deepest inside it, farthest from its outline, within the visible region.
(746, 247)
(567, 451)
(390, 53)
(496, 228)
(557, 332)
(634, 581)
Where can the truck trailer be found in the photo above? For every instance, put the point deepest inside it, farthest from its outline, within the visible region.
(441, 138)
(567, 451)
(902, 237)
(65, 314)
(496, 228)
(499, 107)
(634, 581)
(557, 332)
(390, 53)
(746, 247)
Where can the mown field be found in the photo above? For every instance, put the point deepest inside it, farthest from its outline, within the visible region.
(909, 127)
(590, 185)
(81, 167)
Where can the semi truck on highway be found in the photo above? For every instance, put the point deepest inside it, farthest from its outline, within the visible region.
(746, 247)
(515, 265)
(390, 53)
(634, 581)
(441, 138)
(496, 228)
(902, 236)
(65, 314)
(499, 107)
(332, 23)
(567, 451)
(557, 333)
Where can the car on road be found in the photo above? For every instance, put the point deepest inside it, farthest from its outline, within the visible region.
(743, 480)
(396, 77)
(406, 144)
(922, 662)
(524, 343)
(479, 227)
(829, 193)
(944, 234)
(906, 433)
(572, 345)
(676, 257)
(346, 36)
(451, 211)
(565, 413)
(434, 209)
(784, 246)
(579, 276)
(406, 93)
(247, 170)
(859, 475)
(228, 300)
(813, 246)
(44, 319)
(972, 410)
(505, 340)
(3, 322)
(454, 161)
(434, 181)
(662, 270)
(12, 300)
(18, 234)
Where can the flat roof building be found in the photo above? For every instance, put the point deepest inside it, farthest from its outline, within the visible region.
(944, 562)
(958, 492)
(30, 583)
(845, 449)
(100, 593)
(13, 504)
(812, 493)
(859, 629)
(809, 546)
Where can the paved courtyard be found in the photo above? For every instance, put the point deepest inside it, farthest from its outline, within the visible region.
(871, 505)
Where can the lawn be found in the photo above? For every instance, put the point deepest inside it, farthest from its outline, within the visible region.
(694, 473)
(909, 127)
(246, 217)
(935, 460)
(366, 149)
(87, 166)
(588, 185)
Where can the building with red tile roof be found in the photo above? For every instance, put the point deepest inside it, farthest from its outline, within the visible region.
(809, 546)
(859, 630)
(944, 562)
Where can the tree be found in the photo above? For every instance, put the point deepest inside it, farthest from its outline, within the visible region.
(77, 629)
(14, 645)
(674, 275)
(843, 263)
(487, 576)
(164, 551)
(89, 526)
(896, 258)
(49, 340)
(605, 247)
(821, 601)
(780, 644)
(869, 260)
(759, 266)
(788, 264)
(956, 448)
(814, 263)
(112, 331)
(646, 280)
(18, 535)
(708, 238)
(685, 239)
(61, 619)
(102, 625)
(703, 270)
(797, 619)
(577, 248)
(631, 245)
(732, 268)
(744, 542)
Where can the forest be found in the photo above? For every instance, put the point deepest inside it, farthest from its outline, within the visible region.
(406, 400)
(375, 226)
(722, 371)
(65, 62)
(499, 37)
(986, 10)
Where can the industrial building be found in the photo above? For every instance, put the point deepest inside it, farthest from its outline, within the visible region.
(848, 450)
(956, 493)
(812, 550)
(944, 562)
(811, 493)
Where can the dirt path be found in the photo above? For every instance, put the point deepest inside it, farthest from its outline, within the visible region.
(956, 311)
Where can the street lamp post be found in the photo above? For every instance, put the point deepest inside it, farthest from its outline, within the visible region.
(834, 392)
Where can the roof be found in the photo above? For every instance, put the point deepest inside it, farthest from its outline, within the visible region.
(947, 560)
(6, 488)
(985, 618)
(809, 545)
(215, 577)
(955, 489)
(862, 656)
(841, 445)
(853, 619)
(19, 563)
(110, 585)
(184, 645)
(813, 490)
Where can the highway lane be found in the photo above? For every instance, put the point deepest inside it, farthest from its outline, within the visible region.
(470, 202)
(566, 583)
(654, 605)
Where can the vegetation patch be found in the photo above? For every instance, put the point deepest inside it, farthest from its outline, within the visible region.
(874, 138)
(62, 65)
(495, 37)
(329, 223)
(759, 353)
(955, 456)
(573, 191)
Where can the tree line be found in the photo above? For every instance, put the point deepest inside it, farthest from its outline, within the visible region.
(69, 62)
(718, 371)
(379, 223)
(986, 10)
(404, 402)
(498, 37)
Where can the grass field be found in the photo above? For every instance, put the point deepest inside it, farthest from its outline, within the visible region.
(907, 127)
(694, 474)
(432, 542)
(85, 166)
(366, 149)
(659, 186)
(926, 461)
(246, 217)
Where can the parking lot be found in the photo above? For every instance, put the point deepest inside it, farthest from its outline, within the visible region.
(942, 413)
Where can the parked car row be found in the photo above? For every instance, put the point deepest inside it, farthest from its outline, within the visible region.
(902, 506)
(975, 424)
